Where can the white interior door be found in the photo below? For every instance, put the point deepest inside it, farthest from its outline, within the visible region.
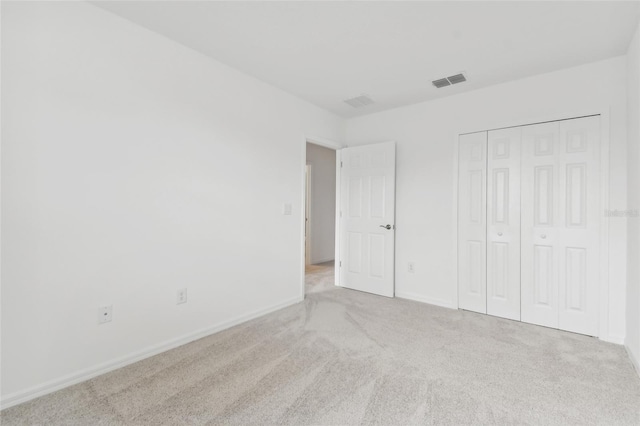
(367, 222)
(472, 223)
(503, 223)
(560, 224)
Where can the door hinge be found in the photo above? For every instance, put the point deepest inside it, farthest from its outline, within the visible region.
(341, 164)
(340, 264)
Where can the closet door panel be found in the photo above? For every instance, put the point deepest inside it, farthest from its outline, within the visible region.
(579, 152)
(472, 228)
(503, 223)
(529, 223)
(540, 250)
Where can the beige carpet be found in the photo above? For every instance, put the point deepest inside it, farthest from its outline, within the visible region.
(345, 357)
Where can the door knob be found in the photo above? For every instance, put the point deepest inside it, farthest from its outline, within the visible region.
(543, 236)
(385, 226)
(499, 234)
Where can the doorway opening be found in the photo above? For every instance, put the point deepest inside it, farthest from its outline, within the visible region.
(320, 218)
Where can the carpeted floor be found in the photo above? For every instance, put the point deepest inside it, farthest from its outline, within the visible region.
(345, 357)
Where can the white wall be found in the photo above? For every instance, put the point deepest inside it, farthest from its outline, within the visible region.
(323, 202)
(133, 166)
(426, 134)
(633, 152)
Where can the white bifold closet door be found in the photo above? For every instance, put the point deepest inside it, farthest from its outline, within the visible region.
(472, 222)
(560, 224)
(529, 223)
(503, 223)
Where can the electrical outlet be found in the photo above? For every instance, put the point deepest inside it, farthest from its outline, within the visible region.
(181, 296)
(286, 209)
(105, 314)
(412, 267)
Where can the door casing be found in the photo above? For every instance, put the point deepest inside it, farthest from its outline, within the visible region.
(327, 143)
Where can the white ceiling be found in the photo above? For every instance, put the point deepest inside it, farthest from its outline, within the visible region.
(326, 52)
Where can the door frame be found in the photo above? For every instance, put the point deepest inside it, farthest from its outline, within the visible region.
(327, 143)
(604, 113)
(307, 215)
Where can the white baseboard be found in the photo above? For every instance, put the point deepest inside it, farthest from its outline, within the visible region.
(430, 300)
(322, 260)
(618, 340)
(88, 373)
(634, 361)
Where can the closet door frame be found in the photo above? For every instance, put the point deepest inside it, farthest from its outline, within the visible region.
(603, 112)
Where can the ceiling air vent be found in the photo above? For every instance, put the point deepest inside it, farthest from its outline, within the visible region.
(359, 101)
(443, 82)
(454, 79)
(458, 78)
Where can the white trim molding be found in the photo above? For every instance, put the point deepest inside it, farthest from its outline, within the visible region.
(634, 361)
(322, 260)
(91, 372)
(324, 142)
(327, 143)
(337, 260)
(429, 300)
(618, 340)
